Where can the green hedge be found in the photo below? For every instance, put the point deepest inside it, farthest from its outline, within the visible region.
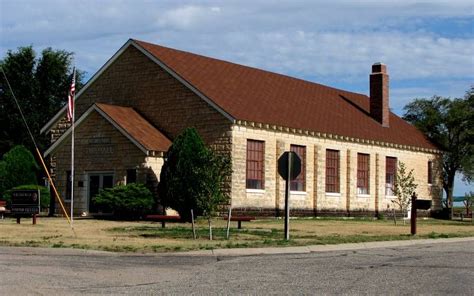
(129, 201)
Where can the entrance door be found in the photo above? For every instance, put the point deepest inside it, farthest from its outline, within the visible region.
(98, 181)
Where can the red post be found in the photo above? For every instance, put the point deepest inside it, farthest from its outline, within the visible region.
(18, 220)
(413, 214)
(34, 219)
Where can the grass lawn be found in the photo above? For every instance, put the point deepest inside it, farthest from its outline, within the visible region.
(150, 237)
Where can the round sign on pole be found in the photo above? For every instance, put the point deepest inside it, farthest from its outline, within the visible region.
(295, 165)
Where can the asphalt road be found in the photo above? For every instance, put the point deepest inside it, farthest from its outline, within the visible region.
(430, 269)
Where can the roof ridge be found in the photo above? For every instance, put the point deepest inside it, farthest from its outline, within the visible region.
(249, 67)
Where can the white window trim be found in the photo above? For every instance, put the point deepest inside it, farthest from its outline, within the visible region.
(256, 191)
(363, 195)
(334, 194)
(298, 192)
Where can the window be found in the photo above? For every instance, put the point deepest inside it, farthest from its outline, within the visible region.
(390, 175)
(255, 164)
(68, 186)
(430, 172)
(332, 171)
(131, 176)
(299, 184)
(363, 173)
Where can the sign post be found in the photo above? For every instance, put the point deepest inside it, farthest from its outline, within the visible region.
(289, 167)
(417, 204)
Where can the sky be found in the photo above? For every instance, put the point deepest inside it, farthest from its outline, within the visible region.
(428, 46)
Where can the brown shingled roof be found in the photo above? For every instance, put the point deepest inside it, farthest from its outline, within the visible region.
(136, 127)
(260, 96)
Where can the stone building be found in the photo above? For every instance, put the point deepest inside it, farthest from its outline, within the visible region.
(145, 95)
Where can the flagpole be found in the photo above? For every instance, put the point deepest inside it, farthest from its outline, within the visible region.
(72, 150)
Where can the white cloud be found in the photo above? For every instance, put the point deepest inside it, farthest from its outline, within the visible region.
(185, 17)
(332, 41)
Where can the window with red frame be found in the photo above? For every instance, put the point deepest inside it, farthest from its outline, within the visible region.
(332, 171)
(430, 172)
(390, 175)
(363, 173)
(255, 164)
(299, 184)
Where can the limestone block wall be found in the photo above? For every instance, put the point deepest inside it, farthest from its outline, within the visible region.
(315, 199)
(99, 147)
(134, 80)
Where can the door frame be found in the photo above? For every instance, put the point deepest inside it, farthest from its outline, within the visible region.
(101, 181)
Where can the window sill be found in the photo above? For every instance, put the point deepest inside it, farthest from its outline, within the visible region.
(390, 196)
(298, 193)
(334, 194)
(363, 195)
(256, 191)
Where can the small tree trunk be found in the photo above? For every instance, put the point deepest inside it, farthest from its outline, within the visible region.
(210, 228)
(394, 217)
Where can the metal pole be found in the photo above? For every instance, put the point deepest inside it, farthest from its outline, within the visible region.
(413, 214)
(287, 193)
(72, 152)
(192, 221)
(228, 222)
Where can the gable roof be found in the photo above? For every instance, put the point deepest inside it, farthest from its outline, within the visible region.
(244, 93)
(260, 96)
(127, 121)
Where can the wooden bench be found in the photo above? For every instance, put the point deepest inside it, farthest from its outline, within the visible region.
(3, 210)
(163, 219)
(240, 219)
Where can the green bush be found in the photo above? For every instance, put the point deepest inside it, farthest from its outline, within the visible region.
(17, 167)
(45, 195)
(129, 201)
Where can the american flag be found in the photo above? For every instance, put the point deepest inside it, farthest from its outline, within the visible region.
(70, 97)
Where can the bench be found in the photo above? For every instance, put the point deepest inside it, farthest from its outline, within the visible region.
(163, 219)
(239, 220)
(3, 210)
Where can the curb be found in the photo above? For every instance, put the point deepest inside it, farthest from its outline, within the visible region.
(238, 252)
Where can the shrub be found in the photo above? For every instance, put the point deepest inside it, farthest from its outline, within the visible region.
(129, 201)
(17, 167)
(45, 195)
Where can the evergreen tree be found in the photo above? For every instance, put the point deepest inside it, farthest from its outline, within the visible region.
(193, 177)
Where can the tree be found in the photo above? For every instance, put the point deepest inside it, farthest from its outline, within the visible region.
(448, 123)
(404, 187)
(180, 178)
(40, 85)
(215, 174)
(17, 167)
(193, 177)
(468, 200)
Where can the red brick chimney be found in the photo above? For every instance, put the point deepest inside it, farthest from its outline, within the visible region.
(379, 97)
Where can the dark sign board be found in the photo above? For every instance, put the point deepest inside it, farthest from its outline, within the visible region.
(25, 202)
(293, 160)
(422, 204)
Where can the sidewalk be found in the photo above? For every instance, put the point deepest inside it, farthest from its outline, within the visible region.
(236, 252)
(319, 248)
